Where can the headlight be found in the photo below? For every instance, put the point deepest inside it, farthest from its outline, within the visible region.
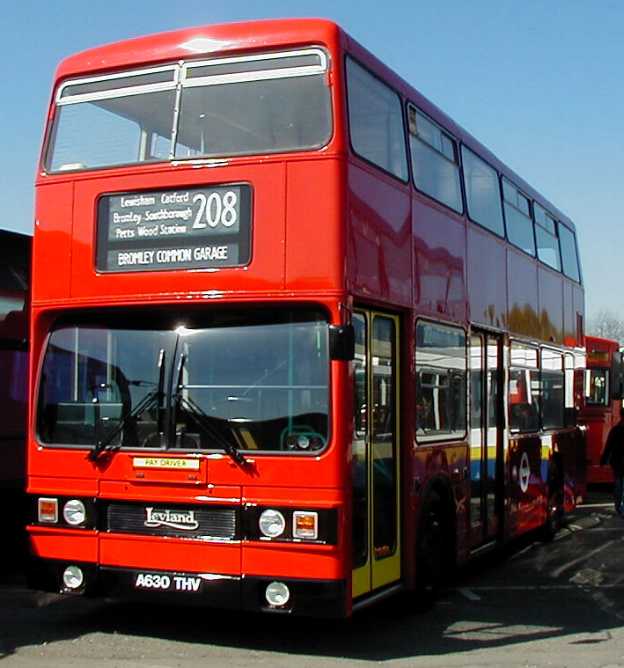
(277, 594)
(74, 512)
(73, 577)
(272, 523)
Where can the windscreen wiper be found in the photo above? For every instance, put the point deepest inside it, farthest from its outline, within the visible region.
(151, 399)
(205, 421)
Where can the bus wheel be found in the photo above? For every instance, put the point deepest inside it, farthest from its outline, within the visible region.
(554, 514)
(432, 547)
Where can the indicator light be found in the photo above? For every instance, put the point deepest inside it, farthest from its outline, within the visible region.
(305, 525)
(47, 510)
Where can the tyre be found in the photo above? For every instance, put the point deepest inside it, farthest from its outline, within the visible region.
(554, 514)
(434, 556)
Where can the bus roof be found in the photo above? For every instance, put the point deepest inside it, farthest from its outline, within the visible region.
(199, 41)
(283, 33)
(591, 340)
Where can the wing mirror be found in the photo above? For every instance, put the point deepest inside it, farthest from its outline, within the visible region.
(341, 342)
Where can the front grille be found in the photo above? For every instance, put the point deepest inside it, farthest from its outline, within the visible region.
(154, 519)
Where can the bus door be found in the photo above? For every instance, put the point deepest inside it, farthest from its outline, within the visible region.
(375, 453)
(486, 437)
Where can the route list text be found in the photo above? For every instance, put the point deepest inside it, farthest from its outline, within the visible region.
(186, 228)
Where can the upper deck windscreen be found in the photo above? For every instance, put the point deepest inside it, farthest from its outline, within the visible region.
(264, 103)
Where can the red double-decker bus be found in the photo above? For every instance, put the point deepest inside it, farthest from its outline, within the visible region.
(14, 309)
(299, 341)
(603, 401)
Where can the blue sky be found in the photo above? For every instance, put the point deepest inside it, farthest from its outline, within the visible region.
(539, 83)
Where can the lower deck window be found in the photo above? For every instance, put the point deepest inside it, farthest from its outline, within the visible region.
(539, 394)
(440, 382)
(552, 399)
(524, 393)
(552, 389)
(524, 399)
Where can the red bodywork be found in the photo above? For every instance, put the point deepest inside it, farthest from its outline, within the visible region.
(599, 418)
(329, 229)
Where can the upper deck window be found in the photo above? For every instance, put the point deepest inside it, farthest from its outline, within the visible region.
(482, 193)
(435, 162)
(569, 255)
(238, 106)
(116, 120)
(546, 237)
(376, 121)
(116, 85)
(262, 103)
(518, 218)
(249, 68)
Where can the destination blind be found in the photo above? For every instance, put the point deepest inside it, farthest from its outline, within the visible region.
(191, 228)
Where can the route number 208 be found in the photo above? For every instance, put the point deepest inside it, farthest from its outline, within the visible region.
(216, 209)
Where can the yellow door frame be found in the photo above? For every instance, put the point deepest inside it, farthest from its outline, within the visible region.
(379, 571)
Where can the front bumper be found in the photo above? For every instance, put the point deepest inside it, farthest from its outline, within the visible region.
(315, 598)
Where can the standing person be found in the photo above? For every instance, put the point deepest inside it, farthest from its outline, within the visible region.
(613, 454)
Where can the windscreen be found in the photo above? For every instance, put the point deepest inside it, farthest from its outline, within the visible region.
(597, 387)
(117, 131)
(93, 376)
(258, 381)
(258, 104)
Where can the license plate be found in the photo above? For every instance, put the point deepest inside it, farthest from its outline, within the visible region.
(167, 582)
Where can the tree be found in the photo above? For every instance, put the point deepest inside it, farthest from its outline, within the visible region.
(606, 325)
